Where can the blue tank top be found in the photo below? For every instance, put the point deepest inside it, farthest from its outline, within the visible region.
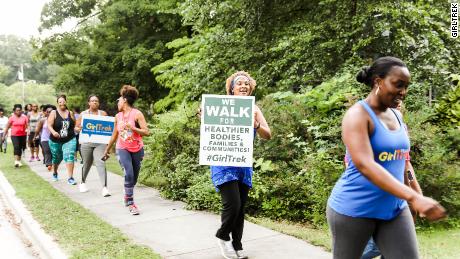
(356, 196)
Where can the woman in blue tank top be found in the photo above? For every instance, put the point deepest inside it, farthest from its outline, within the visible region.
(370, 198)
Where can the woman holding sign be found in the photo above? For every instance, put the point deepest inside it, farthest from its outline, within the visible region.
(130, 127)
(234, 183)
(62, 142)
(92, 151)
(370, 199)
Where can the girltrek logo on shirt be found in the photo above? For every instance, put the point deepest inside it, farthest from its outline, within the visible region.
(398, 154)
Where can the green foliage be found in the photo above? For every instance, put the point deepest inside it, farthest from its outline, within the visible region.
(34, 93)
(4, 71)
(298, 45)
(448, 108)
(15, 51)
(116, 43)
(435, 154)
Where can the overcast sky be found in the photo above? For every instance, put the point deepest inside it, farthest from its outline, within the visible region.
(22, 17)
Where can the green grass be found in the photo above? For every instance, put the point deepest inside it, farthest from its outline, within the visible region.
(439, 243)
(78, 231)
(433, 244)
(314, 236)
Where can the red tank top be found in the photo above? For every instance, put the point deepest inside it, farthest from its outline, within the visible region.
(128, 139)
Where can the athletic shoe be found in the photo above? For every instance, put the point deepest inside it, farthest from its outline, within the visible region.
(19, 163)
(37, 159)
(55, 177)
(105, 192)
(49, 167)
(226, 248)
(241, 254)
(71, 181)
(133, 209)
(83, 187)
(31, 159)
(16, 163)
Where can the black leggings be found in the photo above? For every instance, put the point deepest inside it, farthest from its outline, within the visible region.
(46, 153)
(234, 196)
(19, 144)
(395, 238)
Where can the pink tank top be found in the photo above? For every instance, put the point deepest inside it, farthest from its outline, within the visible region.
(128, 139)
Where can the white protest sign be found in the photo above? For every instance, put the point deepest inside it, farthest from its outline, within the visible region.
(96, 129)
(227, 130)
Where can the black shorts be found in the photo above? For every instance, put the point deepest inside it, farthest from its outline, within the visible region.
(32, 141)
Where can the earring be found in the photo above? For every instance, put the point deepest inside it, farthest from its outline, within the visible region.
(377, 92)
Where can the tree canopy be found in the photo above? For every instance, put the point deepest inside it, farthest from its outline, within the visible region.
(15, 51)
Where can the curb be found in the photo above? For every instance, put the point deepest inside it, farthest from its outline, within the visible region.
(43, 242)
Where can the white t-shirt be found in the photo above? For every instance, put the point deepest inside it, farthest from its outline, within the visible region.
(3, 122)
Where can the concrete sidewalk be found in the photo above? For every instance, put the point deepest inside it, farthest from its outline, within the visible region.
(167, 227)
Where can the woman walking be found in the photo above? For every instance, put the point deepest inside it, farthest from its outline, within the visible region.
(34, 117)
(3, 122)
(130, 127)
(93, 152)
(43, 134)
(233, 183)
(18, 123)
(370, 199)
(61, 125)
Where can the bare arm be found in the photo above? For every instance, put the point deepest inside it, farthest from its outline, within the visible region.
(143, 130)
(78, 124)
(261, 125)
(5, 131)
(414, 183)
(112, 139)
(38, 130)
(51, 118)
(355, 134)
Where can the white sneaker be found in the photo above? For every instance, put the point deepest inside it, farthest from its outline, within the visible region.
(226, 248)
(241, 254)
(105, 192)
(83, 187)
(19, 163)
(16, 163)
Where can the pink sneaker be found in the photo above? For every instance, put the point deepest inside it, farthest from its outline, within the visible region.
(37, 159)
(31, 159)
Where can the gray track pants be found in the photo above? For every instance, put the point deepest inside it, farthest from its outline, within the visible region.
(92, 152)
(395, 238)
